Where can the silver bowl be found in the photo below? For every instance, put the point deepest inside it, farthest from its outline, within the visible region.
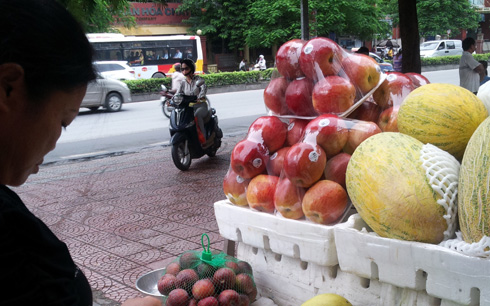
(148, 283)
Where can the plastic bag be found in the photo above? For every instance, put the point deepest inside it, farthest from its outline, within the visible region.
(207, 278)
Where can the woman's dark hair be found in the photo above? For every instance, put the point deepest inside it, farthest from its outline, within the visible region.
(467, 43)
(49, 44)
(189, 63)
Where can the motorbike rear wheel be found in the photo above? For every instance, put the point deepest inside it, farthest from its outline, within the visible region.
(181, 156)
(166, 110)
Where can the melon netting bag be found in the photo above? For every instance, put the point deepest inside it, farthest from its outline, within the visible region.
(442, 171)
(478, 249)
(209, 276)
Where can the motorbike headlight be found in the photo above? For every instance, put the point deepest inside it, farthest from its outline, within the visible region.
(178, 99)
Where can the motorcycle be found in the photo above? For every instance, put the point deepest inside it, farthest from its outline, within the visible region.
(183, 131)
(165, 98)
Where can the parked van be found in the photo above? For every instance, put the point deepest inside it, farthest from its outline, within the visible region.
(435, 48)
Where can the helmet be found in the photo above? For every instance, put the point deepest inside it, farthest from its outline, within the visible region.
(189, 63)
(261, 56)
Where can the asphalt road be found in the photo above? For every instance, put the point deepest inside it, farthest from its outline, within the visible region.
(142, 124)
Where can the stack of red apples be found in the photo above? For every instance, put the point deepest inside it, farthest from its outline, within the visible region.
(325, 102)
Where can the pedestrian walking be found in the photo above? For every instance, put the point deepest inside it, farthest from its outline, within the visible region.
(397, 61)
(39, 96)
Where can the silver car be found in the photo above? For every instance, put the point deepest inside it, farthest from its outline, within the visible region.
(107, 93)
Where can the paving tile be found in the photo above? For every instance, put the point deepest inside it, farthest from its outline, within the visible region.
(125, 215)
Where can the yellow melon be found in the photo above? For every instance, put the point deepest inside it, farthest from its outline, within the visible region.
(389, 186)
(444, 115)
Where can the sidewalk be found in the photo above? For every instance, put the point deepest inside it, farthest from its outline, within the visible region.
(123, 216)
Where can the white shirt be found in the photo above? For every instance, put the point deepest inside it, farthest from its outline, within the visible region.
(261, 64)
(177, 79)
(468, 78)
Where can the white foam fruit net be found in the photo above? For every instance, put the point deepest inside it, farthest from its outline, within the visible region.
(478, 249)
(442, 171)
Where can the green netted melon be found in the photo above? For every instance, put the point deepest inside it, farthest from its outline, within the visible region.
(444, 115)
(474, 186)
(388, 186)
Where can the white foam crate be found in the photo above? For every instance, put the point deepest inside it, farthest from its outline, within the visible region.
(290, 282)
(441, 272)
(305, 240)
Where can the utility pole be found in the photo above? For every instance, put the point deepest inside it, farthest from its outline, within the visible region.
(305, 28)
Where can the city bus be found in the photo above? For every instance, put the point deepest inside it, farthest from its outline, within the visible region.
(149, 56)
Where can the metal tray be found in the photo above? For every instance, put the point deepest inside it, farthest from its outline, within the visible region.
(148, 283)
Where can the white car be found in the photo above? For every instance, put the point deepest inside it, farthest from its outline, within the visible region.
(118, 70)
(107, 93)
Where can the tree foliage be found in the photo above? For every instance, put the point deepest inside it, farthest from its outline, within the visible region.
(435, 17)
(264, 23)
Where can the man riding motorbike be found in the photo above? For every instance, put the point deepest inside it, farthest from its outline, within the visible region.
(188, 87)
(177, 78)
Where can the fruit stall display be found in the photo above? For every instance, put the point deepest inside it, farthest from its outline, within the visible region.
(350, 185)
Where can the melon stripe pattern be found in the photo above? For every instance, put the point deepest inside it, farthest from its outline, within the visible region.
(474, 186)
(444, 115)
(389, 188)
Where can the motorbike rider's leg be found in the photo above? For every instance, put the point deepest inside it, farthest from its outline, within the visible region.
(201, 111)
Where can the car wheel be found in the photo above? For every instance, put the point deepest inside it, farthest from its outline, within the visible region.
(158, 75)
(113, 102)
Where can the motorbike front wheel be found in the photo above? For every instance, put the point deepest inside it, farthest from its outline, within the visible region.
(181, 156)
(167, 110)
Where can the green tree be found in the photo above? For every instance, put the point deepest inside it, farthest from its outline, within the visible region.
(437, 16)
(274, 22)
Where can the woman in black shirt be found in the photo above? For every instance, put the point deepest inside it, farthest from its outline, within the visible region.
(45, 65)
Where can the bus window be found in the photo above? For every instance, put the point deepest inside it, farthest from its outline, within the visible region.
(176, 53)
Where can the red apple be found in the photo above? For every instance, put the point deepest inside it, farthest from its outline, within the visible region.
(336, 167)
(244, 267)
(388, 120)
(360, 131)
(244, 300)
(393, 90)
(320, 57)
(235, 188)
(245, 283)
(275, 96)
(304, 164)
(192, 302)
(177, 297)
(172, 268)
(400, 86)
(232, 265)
(325, 202)
(417, 79)
(188, 260)
(186, 278)
(298, 97)
(362, 71)
(333, 94)
(270, 131)
(329, 132)
(295, 131)
(224, 278)
(249, 158)
(209, 301)
(276, 160)
(229, 297)
(260, 192)
(167, 283)
(367, 111)
(288, 198)
(287, 59)
(202, 289)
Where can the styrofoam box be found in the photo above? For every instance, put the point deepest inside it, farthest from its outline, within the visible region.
(290, 282)
(441, 272)
(301, 239)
